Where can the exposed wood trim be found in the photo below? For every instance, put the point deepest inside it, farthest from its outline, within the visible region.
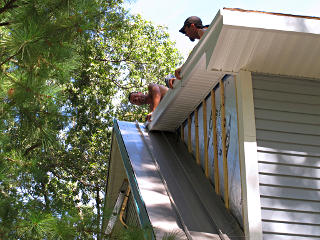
(189, 134)
(116, 208)
(182, 132)
(205, 138)
(214, 141)
(248, 157)
(197, 136)
(224, 148)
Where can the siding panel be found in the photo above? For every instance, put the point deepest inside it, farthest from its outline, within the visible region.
(292, 230)
(293, 204)
(287, 106)
(289, 97)
(286, 192)
(275, 157)
(287, 85)
(271, 236)
(287, 112)
(288, 148)
(297, 171)
(285, 215)
(287, 126)
(286, 116)
(290, 181)
(301, 139)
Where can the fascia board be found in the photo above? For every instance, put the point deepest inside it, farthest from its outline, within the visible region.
(189, 68)
(269, 21)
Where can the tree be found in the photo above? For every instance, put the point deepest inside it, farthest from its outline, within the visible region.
(61, 84)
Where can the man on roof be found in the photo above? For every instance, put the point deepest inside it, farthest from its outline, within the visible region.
(193, 29)
(152, 98)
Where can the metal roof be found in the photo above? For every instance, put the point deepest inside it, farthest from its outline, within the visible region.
(237, 39)
(170, 187)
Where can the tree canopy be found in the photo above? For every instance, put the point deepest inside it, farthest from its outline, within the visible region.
(66, 70)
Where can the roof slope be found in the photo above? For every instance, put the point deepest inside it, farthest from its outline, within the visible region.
(173, 187)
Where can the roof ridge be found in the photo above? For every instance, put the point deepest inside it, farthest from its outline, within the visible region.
(272, 13)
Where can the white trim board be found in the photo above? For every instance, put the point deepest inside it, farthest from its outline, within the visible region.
(248, 157)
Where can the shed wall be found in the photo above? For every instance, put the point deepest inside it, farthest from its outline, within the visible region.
(232, 145)
(287, 114)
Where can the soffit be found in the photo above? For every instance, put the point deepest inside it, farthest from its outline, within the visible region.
(237, 40)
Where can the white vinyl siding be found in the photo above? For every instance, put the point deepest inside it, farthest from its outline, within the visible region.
(287, 114)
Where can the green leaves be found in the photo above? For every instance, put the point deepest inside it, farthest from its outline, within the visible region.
(66, 68)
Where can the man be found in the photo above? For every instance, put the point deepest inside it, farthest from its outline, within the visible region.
(153, 98)
(193, 29)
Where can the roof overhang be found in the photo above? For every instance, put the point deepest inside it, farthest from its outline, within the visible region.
(237, 40)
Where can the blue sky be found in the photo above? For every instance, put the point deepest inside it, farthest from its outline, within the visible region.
(172, 13)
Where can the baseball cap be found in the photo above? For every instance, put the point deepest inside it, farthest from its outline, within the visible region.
(191, 20)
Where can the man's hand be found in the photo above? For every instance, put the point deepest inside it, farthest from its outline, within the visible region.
(177, 73)
(171, 82)
(148, 117)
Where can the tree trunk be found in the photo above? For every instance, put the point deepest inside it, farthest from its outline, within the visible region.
(98, 203)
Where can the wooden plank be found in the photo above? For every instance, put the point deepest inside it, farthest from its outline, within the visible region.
(224, 148)
(287, 107)
(197, 136)
(298, 205)
(286, 97)
(290, 216)
(205, 138)
(285, 192)
(299, 139)
(289, 127)
(189, 135)
(289, 170)
(285, 228)
(287, 88)
(182, 132)
(274, 157)
(289, 181)
(276, 115)
(214, 141)
(272, 146)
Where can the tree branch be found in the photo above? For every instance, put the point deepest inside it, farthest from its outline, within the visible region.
(45, 195)
(9, 58)
(120, 60)
(4, 24)
(9, 5)
(27, 88)
(118, 85)
(86, 184)
(29, 149)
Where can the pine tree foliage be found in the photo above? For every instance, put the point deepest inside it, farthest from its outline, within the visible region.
(66, 68)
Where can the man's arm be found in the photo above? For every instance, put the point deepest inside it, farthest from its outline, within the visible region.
(177, 73)
(155, 94)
